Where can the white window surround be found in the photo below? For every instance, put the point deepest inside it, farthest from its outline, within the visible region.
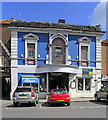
(84, 41)
(59, 35)
(31, 38)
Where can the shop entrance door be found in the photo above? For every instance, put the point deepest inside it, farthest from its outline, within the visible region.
(58, 80)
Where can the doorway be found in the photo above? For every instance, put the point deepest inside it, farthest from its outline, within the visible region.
(58, 80)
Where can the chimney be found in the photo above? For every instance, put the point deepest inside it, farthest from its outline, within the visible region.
(61, 21)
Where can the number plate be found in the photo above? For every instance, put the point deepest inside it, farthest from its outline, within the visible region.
(23, 95)
(60, 100)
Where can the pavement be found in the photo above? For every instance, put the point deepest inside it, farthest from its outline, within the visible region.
(45, 100)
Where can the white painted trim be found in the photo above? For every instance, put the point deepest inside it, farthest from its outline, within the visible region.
(84, 41)
(30, 38)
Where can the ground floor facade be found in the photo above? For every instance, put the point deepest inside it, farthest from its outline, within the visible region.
(80, 82)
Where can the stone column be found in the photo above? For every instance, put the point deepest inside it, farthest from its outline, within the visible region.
(14, 50)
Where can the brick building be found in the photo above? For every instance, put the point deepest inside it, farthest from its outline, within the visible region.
(104, 56)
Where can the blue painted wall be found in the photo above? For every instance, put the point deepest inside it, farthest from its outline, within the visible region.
(42, 46)
(74, 48)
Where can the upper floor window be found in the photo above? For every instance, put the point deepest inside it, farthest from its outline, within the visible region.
(84, 52)
(1, 60)
(31, 50)
(58, 51)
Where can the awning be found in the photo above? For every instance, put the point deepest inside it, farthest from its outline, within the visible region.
(30, 80)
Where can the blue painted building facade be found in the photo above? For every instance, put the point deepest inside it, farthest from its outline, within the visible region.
(59, 57)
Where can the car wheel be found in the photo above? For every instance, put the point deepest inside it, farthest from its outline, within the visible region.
(68, 104)
(15, 104)
(50, 104)
(97, 98)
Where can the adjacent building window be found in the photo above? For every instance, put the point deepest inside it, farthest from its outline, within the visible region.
(30, 50)
(84, 84)
(84, 52)
(1, 60)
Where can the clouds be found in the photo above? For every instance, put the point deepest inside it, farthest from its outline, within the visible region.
(99, 15)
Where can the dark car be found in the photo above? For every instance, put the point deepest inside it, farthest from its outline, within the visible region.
(60, 96)
(25, 94)
(102, 94)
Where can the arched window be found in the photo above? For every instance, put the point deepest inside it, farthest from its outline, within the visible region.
(58, 51)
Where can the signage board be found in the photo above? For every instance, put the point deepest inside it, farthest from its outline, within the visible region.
(87, 72)
(30, 80)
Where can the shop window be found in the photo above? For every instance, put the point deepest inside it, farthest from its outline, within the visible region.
(80, 84)
(84, 52)
(35, 85)
(1, 60)
(43, 86)
(87, 84)
(84, 84)
(26, 84)
(30, 50)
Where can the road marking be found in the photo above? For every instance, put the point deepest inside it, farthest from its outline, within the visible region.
(91, 107)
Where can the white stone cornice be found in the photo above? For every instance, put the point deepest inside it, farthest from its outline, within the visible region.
(47, 30)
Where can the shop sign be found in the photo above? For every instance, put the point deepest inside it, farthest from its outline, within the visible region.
(87, 72)
(84, 63)
(31, 62)
(30, 80)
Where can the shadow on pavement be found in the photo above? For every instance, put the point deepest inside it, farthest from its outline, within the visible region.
(102, 102)
(20, 105)
(46, 104)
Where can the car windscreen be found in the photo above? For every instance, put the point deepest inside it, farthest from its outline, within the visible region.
(23, 90)
(59, 92)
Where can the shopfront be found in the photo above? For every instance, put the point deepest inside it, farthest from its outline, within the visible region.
(31, 81)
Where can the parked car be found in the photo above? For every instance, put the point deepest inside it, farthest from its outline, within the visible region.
(25, 94)
(102, 94)
(58, 96)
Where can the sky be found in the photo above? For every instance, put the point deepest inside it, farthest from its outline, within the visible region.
(81, 13)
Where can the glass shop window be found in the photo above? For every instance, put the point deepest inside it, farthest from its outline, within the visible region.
(84, 52)
(80, 84)
(43, 86)
(30, 50)
(26, 84)
(84, 84)
(87, 84)
(35, 85)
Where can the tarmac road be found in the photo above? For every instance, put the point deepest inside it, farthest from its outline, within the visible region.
(86, 109)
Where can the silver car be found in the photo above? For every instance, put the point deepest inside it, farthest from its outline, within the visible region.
(25, 94)
(102, 94)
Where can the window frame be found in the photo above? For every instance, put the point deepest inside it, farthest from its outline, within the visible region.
(33, 51)
(84, 89)
(30, 38)
(84, 41)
